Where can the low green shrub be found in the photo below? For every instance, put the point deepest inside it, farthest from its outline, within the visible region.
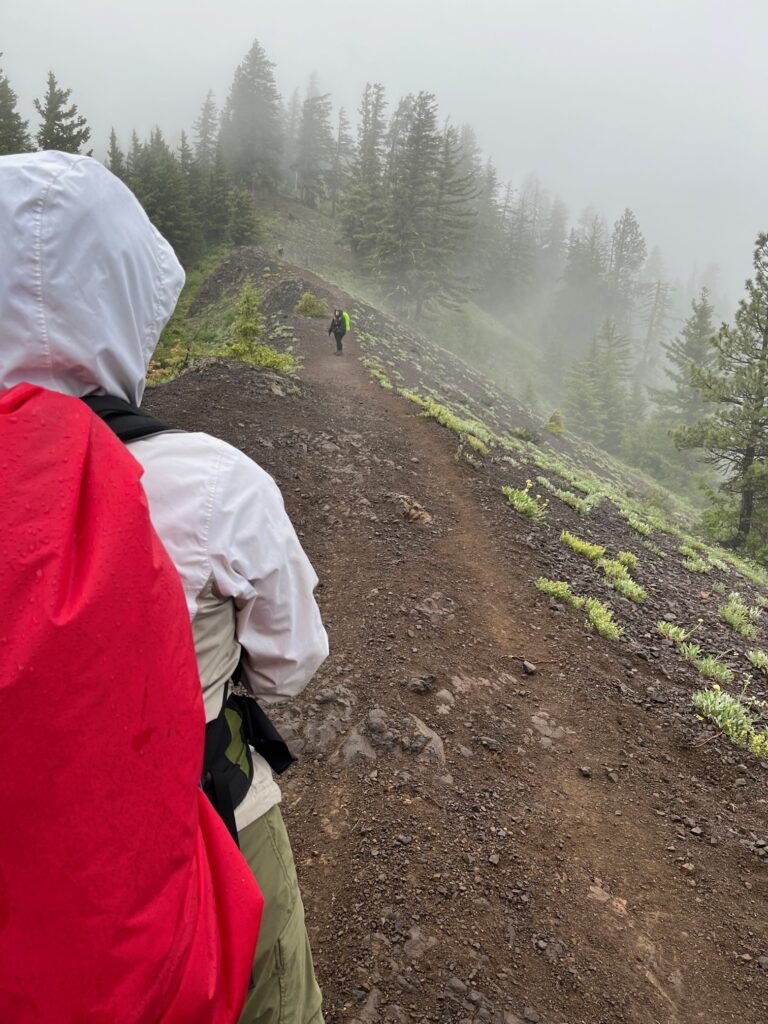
(760, 660)
(620, 579)
(730, 715)
(582, 547)
(310, 305)
(628, 560)
(555, 424)
(525, 501)
(740, 617)
(598, 615)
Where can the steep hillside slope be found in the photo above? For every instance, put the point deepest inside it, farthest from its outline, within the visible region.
(498, 815)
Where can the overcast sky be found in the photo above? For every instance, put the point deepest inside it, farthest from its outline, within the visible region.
(659, 105)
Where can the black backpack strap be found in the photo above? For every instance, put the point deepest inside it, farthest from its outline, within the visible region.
(258, 731)
(124, 419)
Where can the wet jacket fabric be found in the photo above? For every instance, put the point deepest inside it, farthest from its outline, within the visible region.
(128, 907)
(248, 584)
(122, 896)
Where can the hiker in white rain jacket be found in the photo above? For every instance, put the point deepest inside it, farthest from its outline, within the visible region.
(248, 584)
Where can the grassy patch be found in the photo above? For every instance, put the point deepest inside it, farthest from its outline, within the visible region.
(598, 615)
(671, 631)
(582, 505)
(760, 660)
(475, 443)
(264, 356)
(582, 547)
(654, 549)
(525, 501)
(638, 525)
(464, 428)
(709, 665)
(695, 564)
(618, 574)
(739, 616)
(628, 560)
(732, 716)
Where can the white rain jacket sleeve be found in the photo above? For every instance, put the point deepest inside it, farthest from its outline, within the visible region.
(257, 560)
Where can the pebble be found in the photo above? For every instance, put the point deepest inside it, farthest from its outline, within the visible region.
(529, 668)
(586, 771)
(457, 985)
(490, 743)
(530, 1014)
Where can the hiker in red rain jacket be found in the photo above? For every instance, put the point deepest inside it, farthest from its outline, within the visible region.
(109, 283)
(122, 896)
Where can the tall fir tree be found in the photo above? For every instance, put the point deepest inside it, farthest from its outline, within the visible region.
(628, 252)
(735, 436)
(315, 149)
(343, 153)
(14, 130)
(61, 126)
(683, 403)
(206, 129)
(401, 244)
(116, 158)
(251, 126)
(362, 208)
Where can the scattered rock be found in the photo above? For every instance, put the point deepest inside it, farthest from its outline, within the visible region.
(420, 684)
(357, 746)
(418, 943)
(434, 747)
(411, 509)
(457, 985)
(586, 771)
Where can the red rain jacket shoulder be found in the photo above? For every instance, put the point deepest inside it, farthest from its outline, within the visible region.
(122, 898)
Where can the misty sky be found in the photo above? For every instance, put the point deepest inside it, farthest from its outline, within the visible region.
(654, 104)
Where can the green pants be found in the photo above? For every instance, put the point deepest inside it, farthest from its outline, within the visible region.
(286, 991)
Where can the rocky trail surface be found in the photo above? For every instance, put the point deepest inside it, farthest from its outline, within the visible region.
(497, 816)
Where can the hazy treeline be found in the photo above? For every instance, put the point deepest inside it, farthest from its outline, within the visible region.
(632, 358)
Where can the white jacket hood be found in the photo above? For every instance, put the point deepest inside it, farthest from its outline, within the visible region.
(86, 282)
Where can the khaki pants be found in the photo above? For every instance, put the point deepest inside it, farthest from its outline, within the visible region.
(286, 991)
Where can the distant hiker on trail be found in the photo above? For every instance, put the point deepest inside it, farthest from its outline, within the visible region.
(123, 898)
(280, 252)
(338, 327)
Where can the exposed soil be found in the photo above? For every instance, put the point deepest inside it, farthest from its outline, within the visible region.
(474, 842)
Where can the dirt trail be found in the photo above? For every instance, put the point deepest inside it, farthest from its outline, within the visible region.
(476, 843)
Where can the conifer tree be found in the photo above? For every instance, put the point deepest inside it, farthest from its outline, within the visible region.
(438, 281)
(735, 435)
(206, 130)
(362, 208)
(192, 181)
(683, 403)
(116, 158)
(251, 136)
(291, 143)
(215, 206)
(61, 127)
(343, 150)
(400, 258)
(156, 179)
(244, 226)
(315, 149)
(655, 317)
(14, 130)
(627, 256)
